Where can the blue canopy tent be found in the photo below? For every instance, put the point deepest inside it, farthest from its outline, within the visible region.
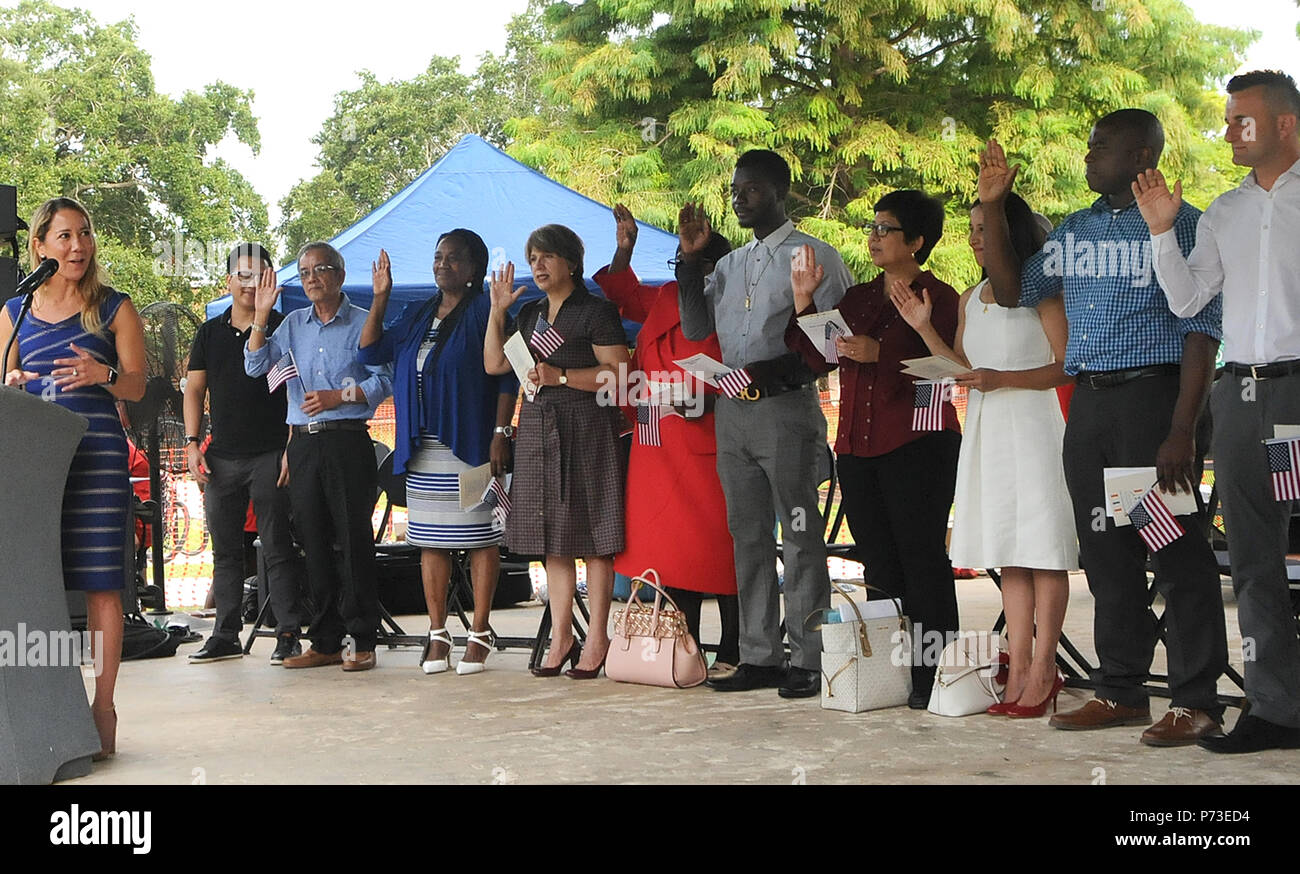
(478, 187)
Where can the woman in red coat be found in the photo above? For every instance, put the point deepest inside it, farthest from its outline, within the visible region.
(676, 517)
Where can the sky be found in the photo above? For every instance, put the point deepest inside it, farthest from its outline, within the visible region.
(295, 56)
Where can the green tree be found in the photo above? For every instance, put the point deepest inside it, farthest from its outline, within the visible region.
(660, 96)
(82, 119)
(383, 135)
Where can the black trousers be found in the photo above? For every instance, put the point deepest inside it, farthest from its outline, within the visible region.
(1124, 426)
(897, 507)
(332, 486)
(728, 612)
(231, 483)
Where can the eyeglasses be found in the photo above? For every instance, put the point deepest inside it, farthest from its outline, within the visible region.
(320, 270)
(880, 229)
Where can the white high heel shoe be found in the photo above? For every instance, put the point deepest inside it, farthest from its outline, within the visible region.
(436, 666)
(485, 639)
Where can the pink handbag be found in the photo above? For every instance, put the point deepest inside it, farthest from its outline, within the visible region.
(651, 644)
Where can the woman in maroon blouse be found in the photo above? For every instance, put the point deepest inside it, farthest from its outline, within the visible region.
(896, 482)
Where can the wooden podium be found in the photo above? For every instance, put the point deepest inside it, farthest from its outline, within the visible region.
(46, 733)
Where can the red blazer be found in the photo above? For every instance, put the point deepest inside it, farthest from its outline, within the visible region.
(676, 515)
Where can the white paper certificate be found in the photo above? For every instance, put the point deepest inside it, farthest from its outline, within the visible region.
(473, 483)
(521, 359)
(816, 326)
(934, 367)
(1125, 485)
(704, 367)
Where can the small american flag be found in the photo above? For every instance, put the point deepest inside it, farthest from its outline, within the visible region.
(498, 498)
(1284, 465)
(647, 424)
(545, 339)
(832, 333)
(284, 370)
(927, 406)
(1153, 522)
(732, 384)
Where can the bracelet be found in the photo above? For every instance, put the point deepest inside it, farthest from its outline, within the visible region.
(259, 328)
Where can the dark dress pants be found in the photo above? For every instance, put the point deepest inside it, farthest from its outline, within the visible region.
(897, 507)
(332, 484)
(1123, 426)
(231, 483)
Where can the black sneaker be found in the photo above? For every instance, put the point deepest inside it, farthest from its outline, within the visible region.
(286, 647)
(217, 650)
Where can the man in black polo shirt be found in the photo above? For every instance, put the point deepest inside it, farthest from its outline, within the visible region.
(245, 459)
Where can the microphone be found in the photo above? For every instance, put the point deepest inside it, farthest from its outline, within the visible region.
(37, 277)
(26, 289)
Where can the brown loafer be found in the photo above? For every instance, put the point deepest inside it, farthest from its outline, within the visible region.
(360, 661)
(313, 659)
(1182, 727)
(1101, 713)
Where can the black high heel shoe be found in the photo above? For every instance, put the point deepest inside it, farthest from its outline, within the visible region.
(576, 673)
(575, 653)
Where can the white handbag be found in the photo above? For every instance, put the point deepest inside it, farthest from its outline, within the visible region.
(971, 676)
(866, 664)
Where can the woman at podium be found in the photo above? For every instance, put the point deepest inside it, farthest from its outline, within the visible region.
(82, 347)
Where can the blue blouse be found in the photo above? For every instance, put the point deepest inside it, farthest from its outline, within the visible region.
(460, 397)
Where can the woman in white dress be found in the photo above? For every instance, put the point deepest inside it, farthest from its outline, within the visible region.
(1012, 510)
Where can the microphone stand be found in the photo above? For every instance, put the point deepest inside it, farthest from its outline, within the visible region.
(13, 337)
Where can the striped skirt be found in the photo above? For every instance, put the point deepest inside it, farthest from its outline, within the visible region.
(435, 519)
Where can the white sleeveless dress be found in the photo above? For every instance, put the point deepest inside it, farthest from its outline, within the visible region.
(1012, 508)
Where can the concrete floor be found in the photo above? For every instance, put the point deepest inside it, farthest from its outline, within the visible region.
(245, 722)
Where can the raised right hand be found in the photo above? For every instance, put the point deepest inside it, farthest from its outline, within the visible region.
(996, 178)
(267, 293)
(805, 275)
(381, 276)
(693, 229)
(625, 228)
(499, 292)
(1158, 205)
(914, 310)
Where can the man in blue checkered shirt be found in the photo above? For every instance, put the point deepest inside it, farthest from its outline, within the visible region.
(1143, 376)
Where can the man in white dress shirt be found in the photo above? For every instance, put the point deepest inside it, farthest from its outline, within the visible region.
(1246, 250)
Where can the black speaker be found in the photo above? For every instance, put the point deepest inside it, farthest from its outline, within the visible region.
(8, 280)
(8, 212)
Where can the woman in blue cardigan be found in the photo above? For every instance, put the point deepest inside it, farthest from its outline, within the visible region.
(451, 416)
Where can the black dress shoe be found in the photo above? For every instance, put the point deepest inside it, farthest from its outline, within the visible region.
(800, 683)
(919, 700)
(749, 677)
(1251, 735)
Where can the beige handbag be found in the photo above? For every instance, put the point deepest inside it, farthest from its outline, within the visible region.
(651, 644)
(866, 663)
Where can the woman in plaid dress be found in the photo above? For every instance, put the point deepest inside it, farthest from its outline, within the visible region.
(566, 496)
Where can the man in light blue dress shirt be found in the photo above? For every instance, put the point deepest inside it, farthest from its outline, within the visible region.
(330, 459)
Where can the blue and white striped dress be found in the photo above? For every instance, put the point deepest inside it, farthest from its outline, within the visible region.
(97, 497)
(435, 518)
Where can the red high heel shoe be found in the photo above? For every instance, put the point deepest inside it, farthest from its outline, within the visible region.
(1000, 708)
(575, 653)
(1023, 711)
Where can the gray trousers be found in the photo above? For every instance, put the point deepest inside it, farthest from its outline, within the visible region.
(767, 462)
(1245, 412)
(232, 482)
